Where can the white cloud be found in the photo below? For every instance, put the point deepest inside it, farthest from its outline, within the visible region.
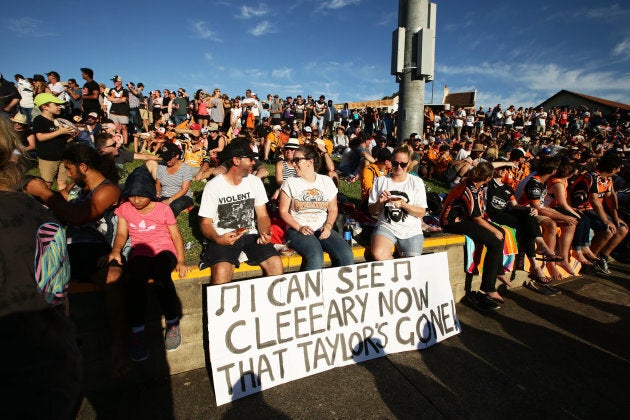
(201, 30)
(282, 73)
(607, 12)
(248, 12)
(207, 56)
(262, 28)
(338, 4)
(29, 27)
(535, 82)
(622, 49)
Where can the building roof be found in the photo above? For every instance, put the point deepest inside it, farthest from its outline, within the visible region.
(601, 101)
(463, 99)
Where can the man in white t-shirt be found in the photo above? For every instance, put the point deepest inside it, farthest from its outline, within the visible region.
(234, 218)
(541, 120)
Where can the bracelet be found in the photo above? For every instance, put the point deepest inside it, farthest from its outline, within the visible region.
(328, 223)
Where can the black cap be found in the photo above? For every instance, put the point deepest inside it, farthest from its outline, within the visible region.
(168, 151)
(238, 148)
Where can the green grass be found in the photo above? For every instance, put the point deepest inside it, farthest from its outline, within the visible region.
(189, 222)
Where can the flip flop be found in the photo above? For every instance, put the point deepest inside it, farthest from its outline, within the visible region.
(540, 279)
(550, 258)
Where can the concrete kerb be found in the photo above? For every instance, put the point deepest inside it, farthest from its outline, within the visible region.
(87, 309)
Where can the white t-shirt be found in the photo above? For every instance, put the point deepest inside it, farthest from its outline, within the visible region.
(400, 223)
(232, 206)
(459, 122)
(309, 200)
(509, 117)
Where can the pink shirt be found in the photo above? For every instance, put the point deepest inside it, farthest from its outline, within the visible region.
(148, 232)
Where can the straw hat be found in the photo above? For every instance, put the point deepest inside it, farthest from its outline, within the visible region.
(19, 118)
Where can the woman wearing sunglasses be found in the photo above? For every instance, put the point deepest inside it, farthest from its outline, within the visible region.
(308, 205)
(400, 202)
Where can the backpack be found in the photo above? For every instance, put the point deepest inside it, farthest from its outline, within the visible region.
(52, 264)
(434, 202)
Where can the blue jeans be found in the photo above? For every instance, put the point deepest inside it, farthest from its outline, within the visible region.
(311, 248)
(178, 119)
(28, 112)
(180, 204)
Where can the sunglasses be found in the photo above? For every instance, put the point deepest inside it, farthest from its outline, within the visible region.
(297, 160)
(110, 145)
(396, 164)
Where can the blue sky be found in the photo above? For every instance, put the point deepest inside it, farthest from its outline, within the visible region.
(512, 52)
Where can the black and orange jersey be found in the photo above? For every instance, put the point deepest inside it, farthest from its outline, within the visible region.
(586, 184)
(465, 201)
(532, 189)
(498, 196)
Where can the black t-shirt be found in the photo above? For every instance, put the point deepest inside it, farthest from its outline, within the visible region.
(498, 197)
(50, 149)
(121, 108)
(91, 105)
(124, 156)
(8, 92)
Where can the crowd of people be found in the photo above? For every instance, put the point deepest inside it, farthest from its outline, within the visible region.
(551, 175)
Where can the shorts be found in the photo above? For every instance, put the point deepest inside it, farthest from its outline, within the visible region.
(409, 247)
(119, 119)
(203, 117)
(144, 114)
(51, 169)
(595, 222)
(256, 253)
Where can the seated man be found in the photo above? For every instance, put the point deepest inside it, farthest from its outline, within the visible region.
(593, 194)
(234, 218)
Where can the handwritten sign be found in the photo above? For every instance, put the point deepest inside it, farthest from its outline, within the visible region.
(269, 331)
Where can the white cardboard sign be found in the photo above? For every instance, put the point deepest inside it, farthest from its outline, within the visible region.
(269, 331)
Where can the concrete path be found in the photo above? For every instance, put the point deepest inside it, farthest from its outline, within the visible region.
(565, 356)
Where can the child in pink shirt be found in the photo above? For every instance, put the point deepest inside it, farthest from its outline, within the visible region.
(157, 248)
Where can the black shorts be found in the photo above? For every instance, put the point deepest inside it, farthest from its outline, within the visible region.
(256, 253)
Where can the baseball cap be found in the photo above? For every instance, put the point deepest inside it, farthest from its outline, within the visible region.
(194, 126)
(517, 154)
(169, 151)
(45, 98)
(238, 149)
(307, 129)
(213, 127)
(93, 115)
(116, 78)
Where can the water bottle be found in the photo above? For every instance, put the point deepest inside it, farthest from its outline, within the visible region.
(347, 230)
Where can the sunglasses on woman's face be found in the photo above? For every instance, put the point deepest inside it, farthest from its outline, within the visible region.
(297, 160)
(396, 164)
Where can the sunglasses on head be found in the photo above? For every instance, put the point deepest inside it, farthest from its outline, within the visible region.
(396, 164)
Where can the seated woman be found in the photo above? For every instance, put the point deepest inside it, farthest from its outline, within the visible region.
(502, 208)
(308, 205)
(462, 213)
(285, 167)
(531, 192)
(557, 199)
(172, 178)
(400, 201)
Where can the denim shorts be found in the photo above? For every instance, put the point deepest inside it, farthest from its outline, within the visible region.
(409, 247)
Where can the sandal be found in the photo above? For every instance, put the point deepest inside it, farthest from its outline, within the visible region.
(550, 258)
(540, 279)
